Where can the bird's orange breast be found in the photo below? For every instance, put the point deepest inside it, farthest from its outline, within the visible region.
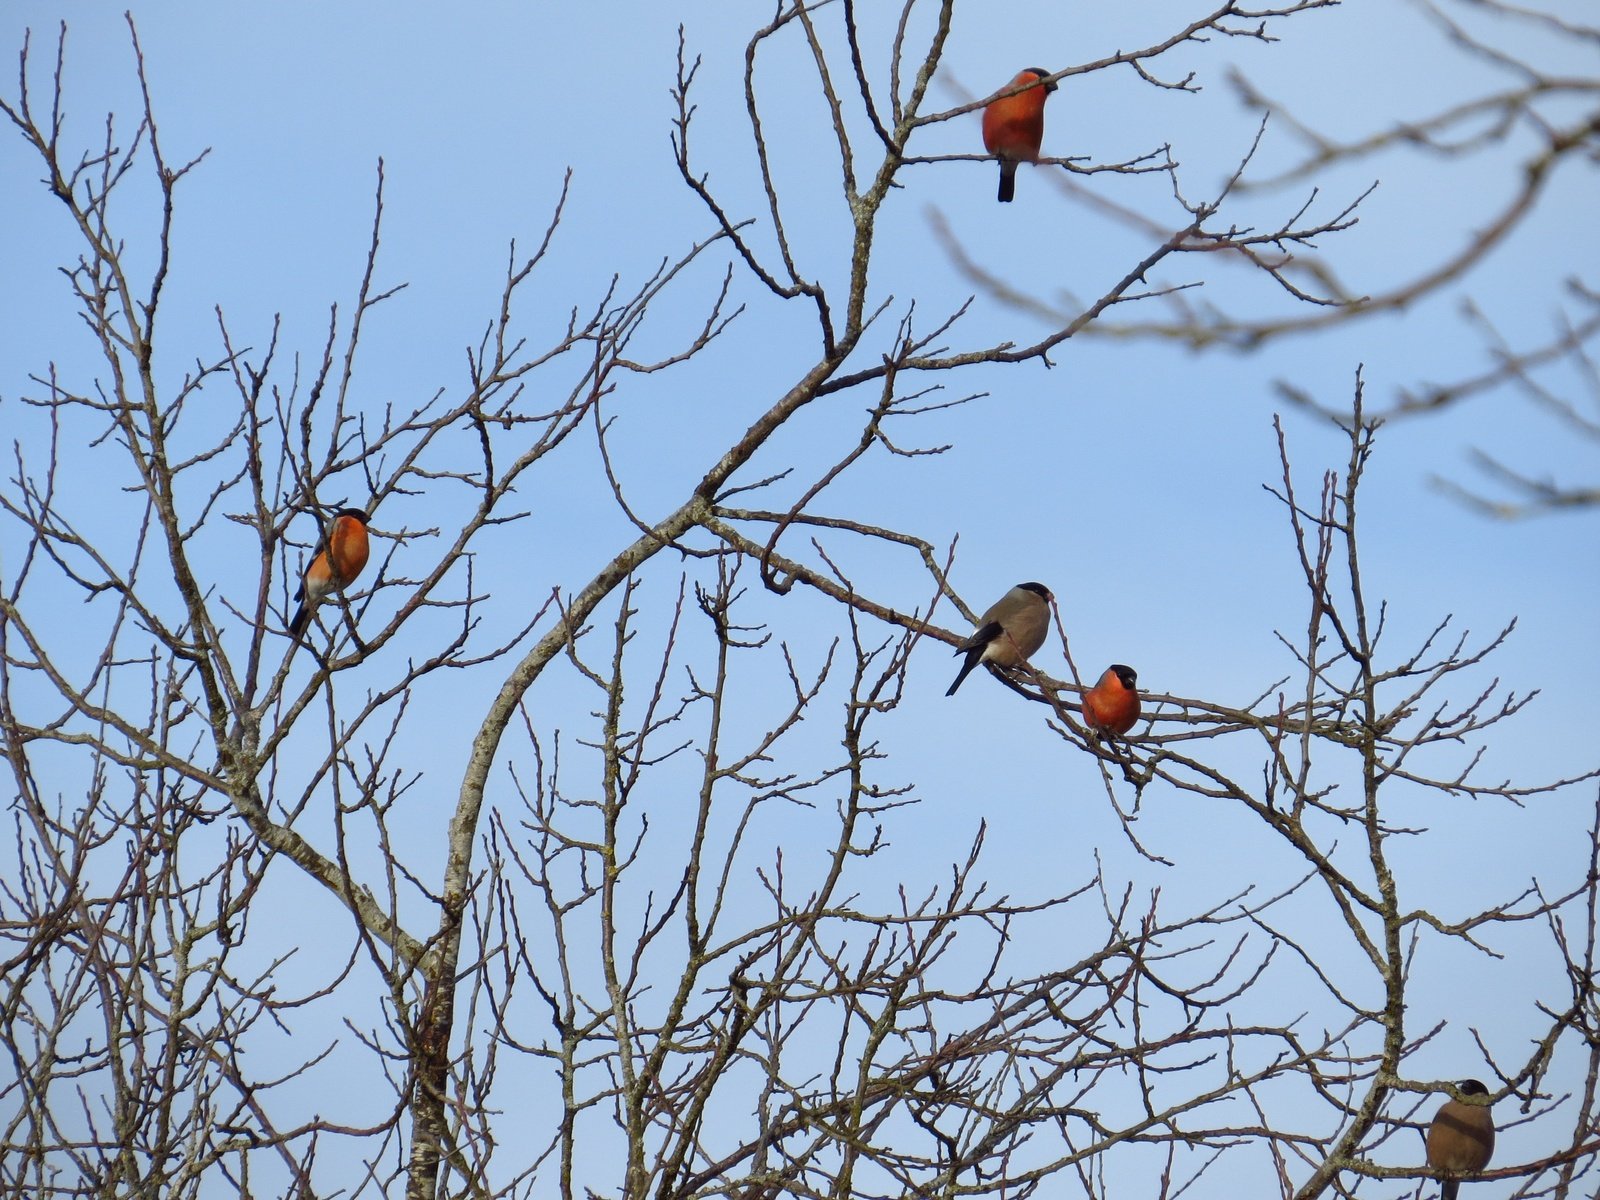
(1013, 126)
(1111, 706)
(347, 549)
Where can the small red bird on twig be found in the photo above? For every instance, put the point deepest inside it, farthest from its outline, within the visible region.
(1013, 125)
(340, 555)
(1112, 705)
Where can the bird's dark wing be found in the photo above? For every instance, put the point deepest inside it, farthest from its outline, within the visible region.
(981, 637)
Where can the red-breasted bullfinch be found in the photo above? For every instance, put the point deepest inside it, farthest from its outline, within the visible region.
(340, 555)
(1461, 1138)
(1013, 126)
(1012, 630)
(1112, 705)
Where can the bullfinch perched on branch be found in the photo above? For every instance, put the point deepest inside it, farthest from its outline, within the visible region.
(340, 555)
(1112, 705)
(1013, 125)
(1012, 630)
(1461, 1138)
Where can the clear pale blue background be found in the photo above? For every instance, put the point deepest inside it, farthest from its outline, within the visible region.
(1127, 477)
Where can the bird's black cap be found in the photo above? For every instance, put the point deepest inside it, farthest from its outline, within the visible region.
(1043, 74)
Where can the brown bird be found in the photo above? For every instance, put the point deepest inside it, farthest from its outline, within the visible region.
(1011, 630)
(340, 555)
(1461, 1138)
(1112, 705)
(1013, 125)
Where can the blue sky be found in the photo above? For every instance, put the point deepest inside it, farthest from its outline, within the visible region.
(1128, 476)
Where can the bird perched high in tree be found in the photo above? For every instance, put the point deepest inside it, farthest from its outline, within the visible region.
(339, 557)
(1112, 705)
(1013, 124)
(1011, 630)
(1461, 1138)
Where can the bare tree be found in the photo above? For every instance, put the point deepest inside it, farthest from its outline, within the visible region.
(593, 960)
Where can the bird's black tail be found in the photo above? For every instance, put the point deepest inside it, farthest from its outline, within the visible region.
(973, 657)
(1008, 182)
